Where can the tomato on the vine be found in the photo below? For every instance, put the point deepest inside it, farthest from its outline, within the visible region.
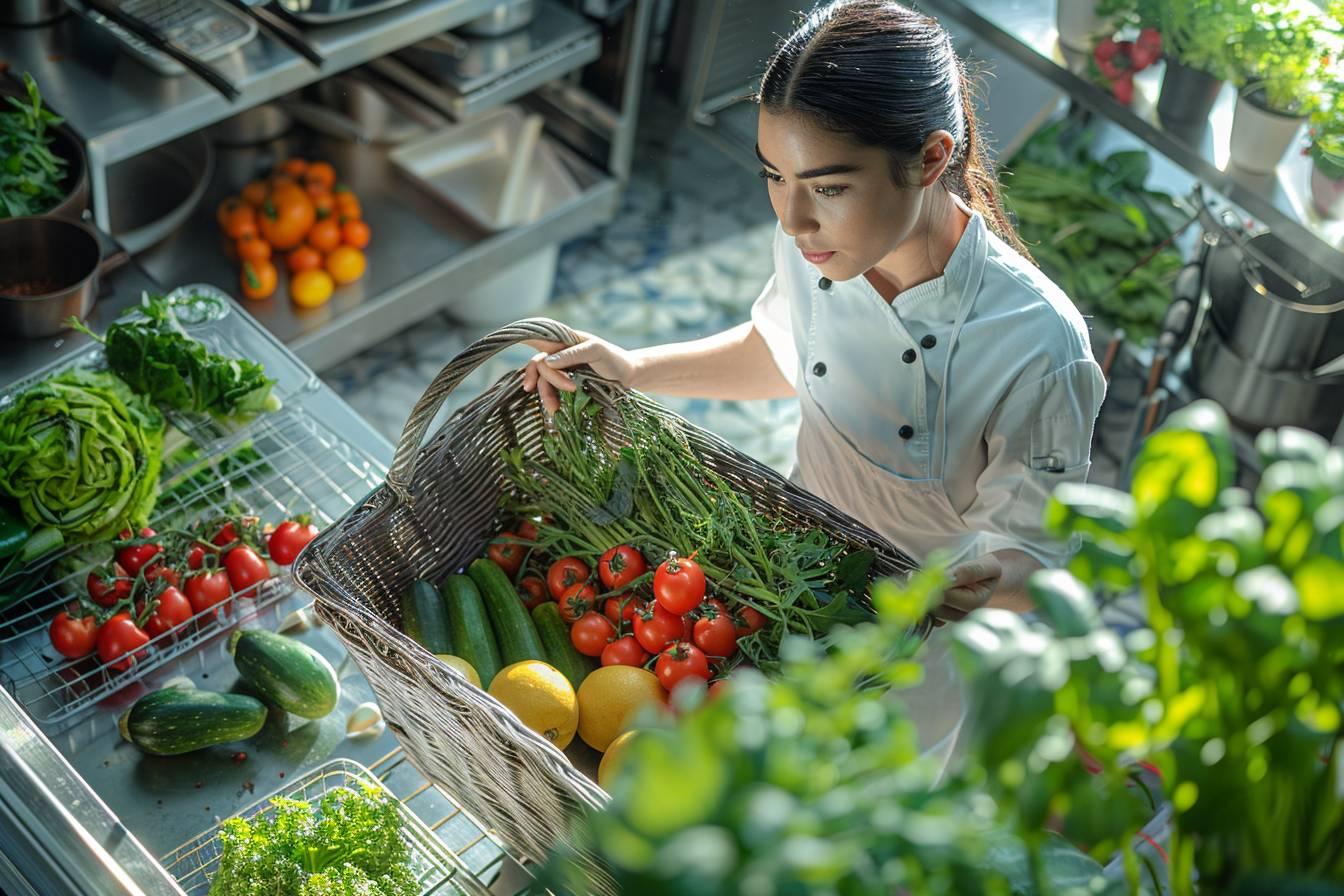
(715, 634)
(208, 589)
(106, 590)
(527, 530)
(564, 574)
(655, 628)
(579, 599)
(618, 614)
(591, 633)
(120, 640)
(533, 592)
(134, 557)
(73, 636)
(226, 534)
(679, 584)
(161, 572)
(245, 568)
(679, 662)
(748, 620)
(288, 539)
(174, 609)
(624, 652)
(620, 566)
(507, 553)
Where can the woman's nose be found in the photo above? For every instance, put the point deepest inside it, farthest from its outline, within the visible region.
(795, 216)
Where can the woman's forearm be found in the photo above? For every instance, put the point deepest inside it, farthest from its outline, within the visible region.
(735, 364)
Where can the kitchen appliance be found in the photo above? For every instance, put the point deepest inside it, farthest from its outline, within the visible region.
(49, 271)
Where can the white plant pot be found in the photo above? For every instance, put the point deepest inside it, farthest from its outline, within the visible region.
(1077, 21)
(1260, 137)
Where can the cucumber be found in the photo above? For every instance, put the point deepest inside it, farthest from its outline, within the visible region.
(470, 627)
(517, 636)
(560, 650)
(178, 720)
(425, 617)
(292, 675)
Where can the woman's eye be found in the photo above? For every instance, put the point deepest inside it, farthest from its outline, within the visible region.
(830, 191)
(771, 176)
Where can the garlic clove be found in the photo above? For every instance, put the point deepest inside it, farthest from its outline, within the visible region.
(365, 720)
(297, 621)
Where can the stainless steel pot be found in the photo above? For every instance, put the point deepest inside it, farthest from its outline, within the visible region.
(65, 145)
(506, 16)
(31, 12)
(49, 272)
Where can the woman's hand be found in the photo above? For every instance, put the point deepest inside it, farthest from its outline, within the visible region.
(545, 373)
(973, 584)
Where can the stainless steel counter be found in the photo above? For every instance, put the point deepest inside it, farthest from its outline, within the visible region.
(105, 805)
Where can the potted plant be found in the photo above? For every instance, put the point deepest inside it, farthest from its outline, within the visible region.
(1280, 72)
(1327, 139)
(1077, 21)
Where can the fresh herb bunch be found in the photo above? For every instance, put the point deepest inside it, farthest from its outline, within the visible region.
(156, 357)
(658, 496)
(1286, 52)
(1088, 222)
(348, 845)
(30, 173)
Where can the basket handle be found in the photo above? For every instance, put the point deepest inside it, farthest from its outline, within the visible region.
(454, 372)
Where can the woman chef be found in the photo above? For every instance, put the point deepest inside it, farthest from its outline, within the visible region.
(946, 385)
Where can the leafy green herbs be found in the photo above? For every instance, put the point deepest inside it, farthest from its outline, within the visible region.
(156, 357)
(1088, 224)
(81, 453)
(657, 495)
(350, 844)
(30, 174)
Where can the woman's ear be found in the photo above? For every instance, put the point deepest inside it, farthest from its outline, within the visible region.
(936, 157)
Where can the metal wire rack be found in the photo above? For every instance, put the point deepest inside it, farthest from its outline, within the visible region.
(441, 868)
(277, 465)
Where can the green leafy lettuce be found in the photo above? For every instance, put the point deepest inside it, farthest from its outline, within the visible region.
(350, 844)
(80, 452)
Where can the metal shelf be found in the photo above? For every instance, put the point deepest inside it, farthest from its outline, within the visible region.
(420, 250)
(122, 107)
(1025, 31)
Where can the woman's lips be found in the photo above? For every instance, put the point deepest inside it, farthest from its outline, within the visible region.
(816, 257)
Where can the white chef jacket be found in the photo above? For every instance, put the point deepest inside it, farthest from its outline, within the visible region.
(946, 418)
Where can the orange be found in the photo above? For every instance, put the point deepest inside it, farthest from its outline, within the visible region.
(310, 289)
(304, 258)
(253, 248)
(294, 168)
(320, 173)
(325, 235)
(258, 279)
(254, 194)
(355, 233)
(346, 265)
(347, 205)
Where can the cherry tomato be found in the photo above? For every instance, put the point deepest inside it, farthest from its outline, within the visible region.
(591, 634)
(679, 662)
(288, 539)
(105, 590)
(579, 599)
(716, 688)
(245, 568)
(120, 640)
(618, 614)
(624, 652)
(208, 589)
(679, 585)
(564, 574)
(533, 592)
(507, 553)
(173, 610)
(355, 233)
(748, 620)
(133, 557)
(620, 566)
(161, 572)
(196, 556)
(73, 636)
(527, 530)
(715, 635)
(655, 628)
(227, 534)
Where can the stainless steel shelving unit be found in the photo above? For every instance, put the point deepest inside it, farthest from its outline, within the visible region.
(1024, 30)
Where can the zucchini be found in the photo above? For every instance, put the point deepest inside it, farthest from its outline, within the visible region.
(425, 618)
(290, 674)
(179, 719)
(517, 636)
(470, 627)
(560, 650)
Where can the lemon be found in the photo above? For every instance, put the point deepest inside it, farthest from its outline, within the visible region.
(462, 666)
(610, 697)
(541, 697)
(610, 764)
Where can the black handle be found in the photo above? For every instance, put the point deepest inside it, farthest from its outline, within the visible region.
(206, 73)
(282, 29)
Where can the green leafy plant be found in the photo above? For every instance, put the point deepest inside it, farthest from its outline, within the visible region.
(1199, 33)
(1233, 690)
(1327, 118)
(1281, 59)
(30, 173)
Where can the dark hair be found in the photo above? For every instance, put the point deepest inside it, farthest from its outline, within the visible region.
(885, 75)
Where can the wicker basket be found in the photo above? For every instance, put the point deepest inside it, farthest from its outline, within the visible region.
(438, 509)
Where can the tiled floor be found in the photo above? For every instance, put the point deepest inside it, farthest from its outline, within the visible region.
(687, 253)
